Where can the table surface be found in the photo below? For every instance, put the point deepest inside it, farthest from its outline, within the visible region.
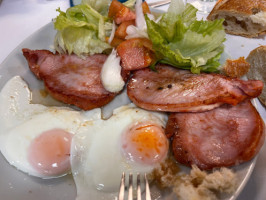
(20, 18)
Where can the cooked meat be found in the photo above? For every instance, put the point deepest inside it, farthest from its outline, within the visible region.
(224, 136)
(71, 79)
(174, 90)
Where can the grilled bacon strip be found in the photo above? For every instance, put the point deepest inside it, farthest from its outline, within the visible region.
(225, 136)
(173, 90)
(71, 79)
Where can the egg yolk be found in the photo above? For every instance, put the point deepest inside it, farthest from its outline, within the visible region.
(49, 153)
(145, 143)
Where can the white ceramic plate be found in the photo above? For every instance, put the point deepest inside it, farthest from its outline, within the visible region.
(17, 185)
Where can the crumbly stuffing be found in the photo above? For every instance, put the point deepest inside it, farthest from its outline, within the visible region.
(236, 68)
(198, 185)
(166, 174)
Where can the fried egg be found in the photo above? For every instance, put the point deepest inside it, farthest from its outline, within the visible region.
(47, 141)
(34, 138)
(132, 140)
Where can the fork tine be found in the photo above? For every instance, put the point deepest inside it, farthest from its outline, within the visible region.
(130, 185)
(122, 187)
(148, 194)
(138, 187)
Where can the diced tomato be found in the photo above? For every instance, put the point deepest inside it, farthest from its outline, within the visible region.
(136, 53)
(145, 8)
(115, 7)
(122, 28)
(120, 13)
(115, 42)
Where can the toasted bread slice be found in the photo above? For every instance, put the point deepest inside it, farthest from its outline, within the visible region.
(241, 17)
(257, 71)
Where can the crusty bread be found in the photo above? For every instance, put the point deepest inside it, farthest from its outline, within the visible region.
(242, 17)
(257, 71)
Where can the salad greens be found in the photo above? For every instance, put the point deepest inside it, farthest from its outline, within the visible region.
(102, 6)
(130, 3)
(178, 38)
(182, 41)
(82, 29)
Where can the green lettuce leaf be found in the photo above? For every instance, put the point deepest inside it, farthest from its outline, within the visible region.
(81, 30)
(182, 41)
(101, 6)
(130, 3)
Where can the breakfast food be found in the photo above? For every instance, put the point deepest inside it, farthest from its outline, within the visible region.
(174, 90)
(197, 184)
(241, 17)
(131, 141)
(225, 136)
(71, 79)
(257, 60)
(208, 186)
(28, 129)
(65, 138)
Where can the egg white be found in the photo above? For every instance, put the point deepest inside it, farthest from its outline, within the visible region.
(21, 122)
(96, 159)
(15, 104)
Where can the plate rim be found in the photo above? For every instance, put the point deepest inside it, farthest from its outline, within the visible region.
(251, 164)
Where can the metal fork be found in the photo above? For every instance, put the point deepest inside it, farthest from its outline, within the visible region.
(130, 188)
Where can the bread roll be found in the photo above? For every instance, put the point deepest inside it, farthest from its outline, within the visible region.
(242, 17)
(257, 71)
